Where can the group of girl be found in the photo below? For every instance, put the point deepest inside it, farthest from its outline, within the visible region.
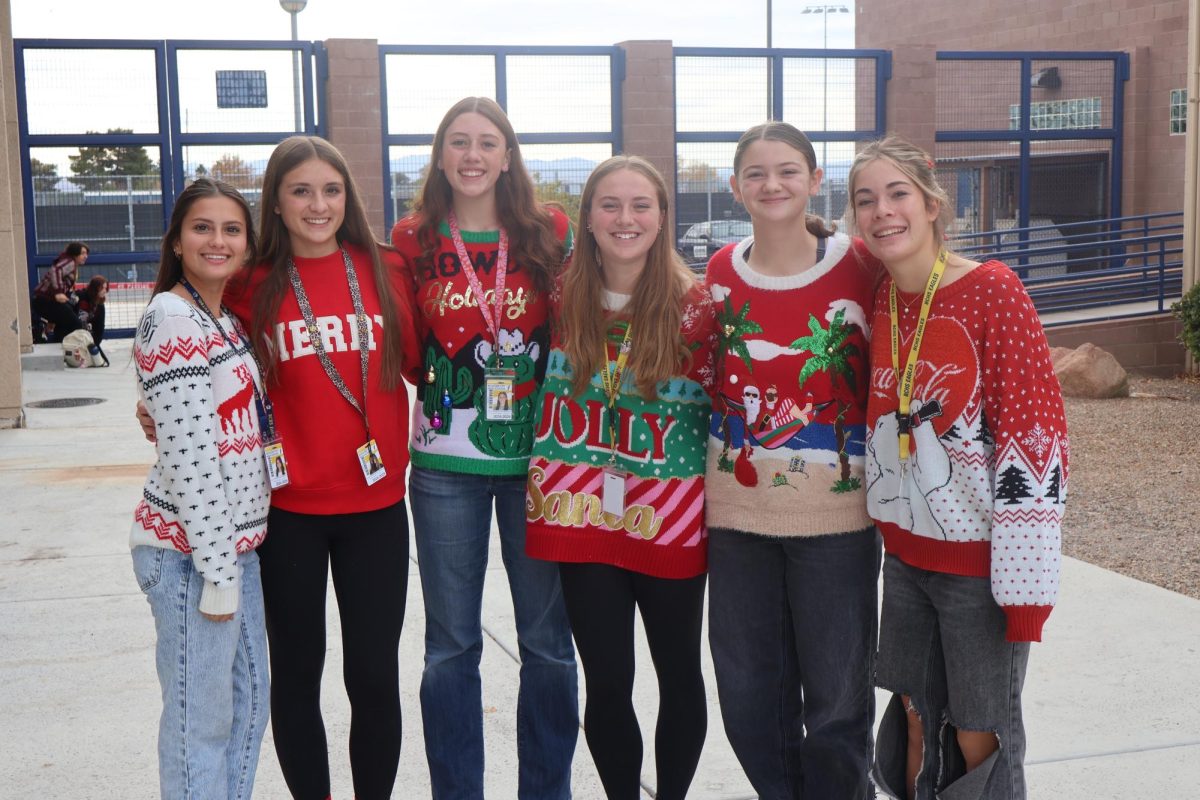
(633, 431)
(61, 310)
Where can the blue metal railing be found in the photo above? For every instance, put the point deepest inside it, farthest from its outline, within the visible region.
(1108, 268)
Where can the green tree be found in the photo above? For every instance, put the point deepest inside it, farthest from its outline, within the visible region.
(557, 193)
(830, 351)
(115, 160)
(44, 175)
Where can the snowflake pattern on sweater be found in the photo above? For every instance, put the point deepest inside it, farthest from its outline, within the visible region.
(984, 491)
(207, 494)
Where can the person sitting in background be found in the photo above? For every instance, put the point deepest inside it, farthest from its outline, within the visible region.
(54, 297)
(90, 310)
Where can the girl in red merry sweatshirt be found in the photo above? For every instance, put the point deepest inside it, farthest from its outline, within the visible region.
(793, 556)
(966, 478)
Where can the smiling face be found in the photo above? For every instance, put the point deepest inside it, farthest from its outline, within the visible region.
(474, 155)
(312, 205)
(212, 242)
(625, 218)
(774, 182)
(893, 216)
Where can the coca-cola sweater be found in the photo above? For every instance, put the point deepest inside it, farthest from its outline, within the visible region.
(207, 493)
(449, 430)
(321, 431)
(985, 486)
(660, 447)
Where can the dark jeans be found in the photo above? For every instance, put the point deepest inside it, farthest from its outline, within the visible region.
(942, 642)
(368, 554)
(792, 624)
(600, 604)
(62, 315)
(452, 517)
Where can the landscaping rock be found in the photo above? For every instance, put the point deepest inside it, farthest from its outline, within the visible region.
(1089, 371)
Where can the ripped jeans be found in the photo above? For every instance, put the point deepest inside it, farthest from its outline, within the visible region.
(942, 643)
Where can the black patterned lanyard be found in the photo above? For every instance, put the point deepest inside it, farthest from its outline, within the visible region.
(314, 334)
(266, 412)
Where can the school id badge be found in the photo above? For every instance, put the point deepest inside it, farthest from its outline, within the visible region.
(499, 394)
(277, 472)
(371, 463)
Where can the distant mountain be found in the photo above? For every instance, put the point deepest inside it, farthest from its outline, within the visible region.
(570, 170)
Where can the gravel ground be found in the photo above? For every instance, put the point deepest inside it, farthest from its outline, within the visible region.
(1132, 503)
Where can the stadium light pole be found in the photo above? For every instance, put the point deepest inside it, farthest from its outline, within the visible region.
(294, 7)
(825, 9)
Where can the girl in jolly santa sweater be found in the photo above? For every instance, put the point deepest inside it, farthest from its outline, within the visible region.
(966, 478)
(204, 506)
(616, 482)
(481, 256)
(793, 557)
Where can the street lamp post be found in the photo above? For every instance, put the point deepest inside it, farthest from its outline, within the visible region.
(825, 9)
(294, 7)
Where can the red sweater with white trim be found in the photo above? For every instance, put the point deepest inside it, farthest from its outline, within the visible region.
(986, 483)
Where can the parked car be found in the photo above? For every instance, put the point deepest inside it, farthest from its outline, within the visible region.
(705, 238)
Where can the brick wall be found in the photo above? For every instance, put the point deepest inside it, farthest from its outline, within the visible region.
(353, 104)
(1154, 33)
(1147, 346)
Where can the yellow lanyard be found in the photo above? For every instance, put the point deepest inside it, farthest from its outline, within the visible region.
(904, 383)
(610, 376)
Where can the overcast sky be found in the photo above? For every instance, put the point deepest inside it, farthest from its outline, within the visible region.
(688, 23)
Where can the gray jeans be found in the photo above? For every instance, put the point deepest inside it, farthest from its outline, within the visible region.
(942, 643)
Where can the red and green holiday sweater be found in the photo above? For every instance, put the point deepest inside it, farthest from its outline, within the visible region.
(449, 430)
(785, 450)
(660, 445)
(984, 490)
(321, 431)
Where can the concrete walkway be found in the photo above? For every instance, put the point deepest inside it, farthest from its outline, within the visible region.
(1111, 700)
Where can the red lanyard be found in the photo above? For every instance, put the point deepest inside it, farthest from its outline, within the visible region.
(473, 279)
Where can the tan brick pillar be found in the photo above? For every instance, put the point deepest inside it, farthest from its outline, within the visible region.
(14, 284)
(912, 95)
(648, 108)
(353, 113)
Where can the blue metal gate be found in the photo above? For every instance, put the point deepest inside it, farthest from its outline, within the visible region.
(563, 102)
(837, 97)
(111, 131)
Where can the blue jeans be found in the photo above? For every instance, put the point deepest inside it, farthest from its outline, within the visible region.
(792, 624)
(452, 519)
(213, 676)
(942, 643)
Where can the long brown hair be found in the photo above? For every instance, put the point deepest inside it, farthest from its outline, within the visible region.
(533, 242)
(170, 265)
(276, 249)
(655, 310)
(793, 137)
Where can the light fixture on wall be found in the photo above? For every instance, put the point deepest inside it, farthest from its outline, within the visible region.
(1046, 79)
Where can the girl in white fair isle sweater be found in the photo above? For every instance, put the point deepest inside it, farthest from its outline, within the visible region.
(204, 506)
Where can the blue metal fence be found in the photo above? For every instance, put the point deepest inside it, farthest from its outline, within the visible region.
(1103, 269)
(837, 97)
(564, 104)
(165, 120)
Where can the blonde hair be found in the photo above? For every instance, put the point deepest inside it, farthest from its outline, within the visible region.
(916, 165)
(655, 310)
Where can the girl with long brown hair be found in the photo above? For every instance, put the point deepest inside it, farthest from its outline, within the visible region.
(481, 255)
(616, 481)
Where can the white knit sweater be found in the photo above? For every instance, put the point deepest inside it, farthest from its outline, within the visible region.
(207, 494)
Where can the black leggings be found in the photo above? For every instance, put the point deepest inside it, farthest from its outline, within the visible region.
(368, 553)
(62, 315)
(600, 601)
